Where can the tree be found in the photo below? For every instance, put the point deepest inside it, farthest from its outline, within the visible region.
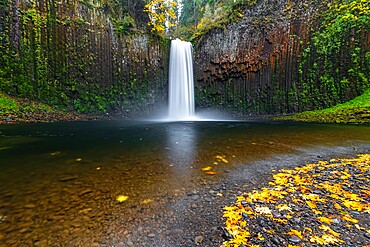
(162, 15)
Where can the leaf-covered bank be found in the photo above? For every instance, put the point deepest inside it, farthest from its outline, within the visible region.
(316, 204)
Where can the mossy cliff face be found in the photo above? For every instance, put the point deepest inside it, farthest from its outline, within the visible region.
(260, 64)
(90, 56)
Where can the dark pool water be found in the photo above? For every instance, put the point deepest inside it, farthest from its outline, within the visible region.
(59, 181)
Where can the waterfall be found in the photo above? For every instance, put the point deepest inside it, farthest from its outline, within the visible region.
(181, 81)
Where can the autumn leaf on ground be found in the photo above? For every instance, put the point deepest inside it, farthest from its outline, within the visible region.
(222, 158)
(349, 219)
(207, 168)
(263, 210)
(311, 204)
(282, 207)
(146, 201)
(295, 233)
(211, 173)
(316, 185)
(121, 198)
(325, 220)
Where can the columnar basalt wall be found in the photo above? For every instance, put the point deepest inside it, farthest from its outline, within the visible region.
(85, 55)
(253, 66)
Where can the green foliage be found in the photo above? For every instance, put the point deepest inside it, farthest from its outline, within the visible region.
(200, 16)
(336, 64)
(124, 25)
(10, 105)
(353, 111)
(7, 105)
(69, 57)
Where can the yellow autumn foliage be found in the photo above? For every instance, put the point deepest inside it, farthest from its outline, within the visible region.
(300, 186)
(161, 14)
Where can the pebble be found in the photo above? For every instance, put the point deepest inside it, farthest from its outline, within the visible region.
(367, 235)
(336, 220)
(195, 197)
(276, 214)
(178, 231)
(130, 243)
(198, 239)
(95, 245)
(208, 199)
(151, 235)
(294, 240)
(30, 206)
(67, 178)
(84, 192)
(244, 203)
(41, 243)
(275, 241)
(296, 220)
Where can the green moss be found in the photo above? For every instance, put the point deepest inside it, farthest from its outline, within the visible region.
(334, 65)
(354, 111)
(231, 12)
(7, 105)
(11, 105)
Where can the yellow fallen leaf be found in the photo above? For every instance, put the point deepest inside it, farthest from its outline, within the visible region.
(308, 229)
(349, 219)
(262, 210)
(121, 198)
(219, 194)
(295, 233)
(360, 227)
(328, 229)
(78, 159)
(211, 173)
(98, 168)
(146, 201)
(280, 221)
(330, 239)
(282, 207)
(317, 212)
(207, 168)
(325, 220)
(311, 204)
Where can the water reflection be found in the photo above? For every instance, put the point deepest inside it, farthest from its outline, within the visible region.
(181, 147)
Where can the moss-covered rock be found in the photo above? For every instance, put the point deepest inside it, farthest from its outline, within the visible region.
(356, 111)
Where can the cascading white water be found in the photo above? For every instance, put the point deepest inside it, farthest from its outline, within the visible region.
(181, 81)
